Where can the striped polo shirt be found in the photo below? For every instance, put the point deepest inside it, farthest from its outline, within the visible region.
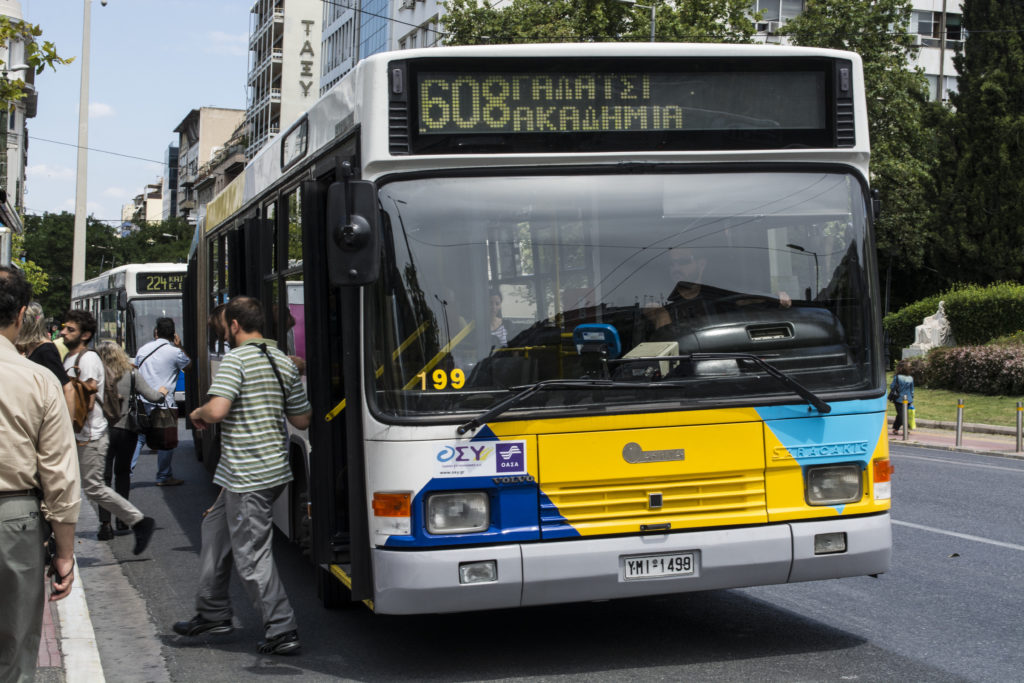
(253, 439)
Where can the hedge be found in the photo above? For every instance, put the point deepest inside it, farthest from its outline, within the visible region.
(976, 314)
(992, 369)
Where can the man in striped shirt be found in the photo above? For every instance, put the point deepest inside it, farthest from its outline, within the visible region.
(255, 389)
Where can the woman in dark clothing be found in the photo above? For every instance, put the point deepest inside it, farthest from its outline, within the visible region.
(902, 385)
(35, 344)
(118, 468)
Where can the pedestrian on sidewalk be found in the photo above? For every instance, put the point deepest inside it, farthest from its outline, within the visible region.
(118, 466)
(160, 361)
(902, 385)
(93, 440)
(255, 389)
(34, 342)
(39, 464)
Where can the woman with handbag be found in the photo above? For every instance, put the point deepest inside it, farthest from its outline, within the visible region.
(124, 431)
(902, 385)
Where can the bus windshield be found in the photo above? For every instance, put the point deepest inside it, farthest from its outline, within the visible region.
(144, 313)
(494, 283)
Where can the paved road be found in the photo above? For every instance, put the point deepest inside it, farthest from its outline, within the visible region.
(949, 609)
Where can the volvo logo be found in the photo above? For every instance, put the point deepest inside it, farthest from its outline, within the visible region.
(632, 453)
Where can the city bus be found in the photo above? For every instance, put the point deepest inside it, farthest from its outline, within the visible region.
(579, 322)
(127, 300)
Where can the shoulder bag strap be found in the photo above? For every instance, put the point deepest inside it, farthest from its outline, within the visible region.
(148, 354)
(263, 347)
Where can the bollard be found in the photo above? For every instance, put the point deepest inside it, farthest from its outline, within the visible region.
(959, 422)
(903, 409)
(1020, 426)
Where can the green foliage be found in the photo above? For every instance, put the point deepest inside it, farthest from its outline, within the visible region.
(902, 141)
(976, 314)
(990, 369)
(981, 180)
(900, 325)
(468, 22)
(38, 56)
(33, 273)
(48, 241)
(1012, 339)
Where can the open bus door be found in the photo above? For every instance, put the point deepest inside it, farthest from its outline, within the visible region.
(340, 529)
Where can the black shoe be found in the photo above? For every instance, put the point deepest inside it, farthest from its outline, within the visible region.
(143, 532)
(121, 526)
(170, 481)
(105, 533)
(286, 643)
(199, 625)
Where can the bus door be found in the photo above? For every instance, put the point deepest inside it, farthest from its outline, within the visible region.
(332, 341)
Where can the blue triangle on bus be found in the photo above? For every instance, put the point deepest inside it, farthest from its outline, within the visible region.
(485, 434)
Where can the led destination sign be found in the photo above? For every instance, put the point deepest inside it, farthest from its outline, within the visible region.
(633, 101)
(153, 283)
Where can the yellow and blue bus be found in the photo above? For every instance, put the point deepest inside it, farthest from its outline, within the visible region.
(127, 300)
(580, 322)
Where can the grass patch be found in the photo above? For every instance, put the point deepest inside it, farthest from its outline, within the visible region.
(940, 404)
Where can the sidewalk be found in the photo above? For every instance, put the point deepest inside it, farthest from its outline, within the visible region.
(975, 438)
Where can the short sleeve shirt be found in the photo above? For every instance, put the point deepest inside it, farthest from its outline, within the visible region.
(161, 361)
(254, 455)
(89, 367)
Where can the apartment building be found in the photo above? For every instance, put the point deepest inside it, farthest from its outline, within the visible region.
(226, 163)
(417, 24)
(284, 54)
(937, 46)
(170, 188)
(201, 134)
(13, 132)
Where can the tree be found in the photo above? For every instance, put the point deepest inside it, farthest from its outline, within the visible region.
(37, 56)
(468, 22)
(899, 118)
(35, 275)
(980, 184)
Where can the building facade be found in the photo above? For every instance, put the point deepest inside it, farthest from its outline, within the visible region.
(417, 24)
(284, 58)
(936, 47)
(170, 188)
(201, 135)
(13, 131)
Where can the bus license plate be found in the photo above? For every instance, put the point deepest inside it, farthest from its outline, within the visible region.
(655, 566)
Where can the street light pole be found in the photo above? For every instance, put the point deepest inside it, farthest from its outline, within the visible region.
(651, 7)
(78, 250)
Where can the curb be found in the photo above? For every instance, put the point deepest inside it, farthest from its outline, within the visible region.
(974, 427)
(77, 639)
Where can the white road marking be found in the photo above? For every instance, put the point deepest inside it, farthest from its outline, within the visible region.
(1018, 470)
(967, 537)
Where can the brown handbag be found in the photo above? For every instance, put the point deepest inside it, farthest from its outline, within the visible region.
(82, 393)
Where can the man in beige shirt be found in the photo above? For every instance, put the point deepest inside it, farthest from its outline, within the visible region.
(39, 464)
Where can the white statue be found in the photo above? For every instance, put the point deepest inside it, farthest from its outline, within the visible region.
(932, 332)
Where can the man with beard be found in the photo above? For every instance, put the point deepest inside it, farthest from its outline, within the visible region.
(256, 387)
(92, 440)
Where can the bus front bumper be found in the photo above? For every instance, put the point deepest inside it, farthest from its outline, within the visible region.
(427, 581)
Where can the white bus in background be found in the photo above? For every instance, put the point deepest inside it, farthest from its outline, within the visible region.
(127, 300)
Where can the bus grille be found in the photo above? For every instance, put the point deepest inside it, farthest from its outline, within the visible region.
(611, 507)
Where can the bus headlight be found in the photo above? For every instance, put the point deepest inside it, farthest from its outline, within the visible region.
(834, 484)
(458, 513)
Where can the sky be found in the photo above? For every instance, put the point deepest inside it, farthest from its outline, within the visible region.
(151, 63)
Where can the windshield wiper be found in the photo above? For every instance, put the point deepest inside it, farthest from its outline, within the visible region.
(800, 389)
(528, 390)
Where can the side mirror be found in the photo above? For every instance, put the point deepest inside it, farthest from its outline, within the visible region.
(353, 233)
(876, 204)
(122, 300)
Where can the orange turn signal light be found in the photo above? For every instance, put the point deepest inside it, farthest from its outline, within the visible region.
(392, 504)
(883, 471)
